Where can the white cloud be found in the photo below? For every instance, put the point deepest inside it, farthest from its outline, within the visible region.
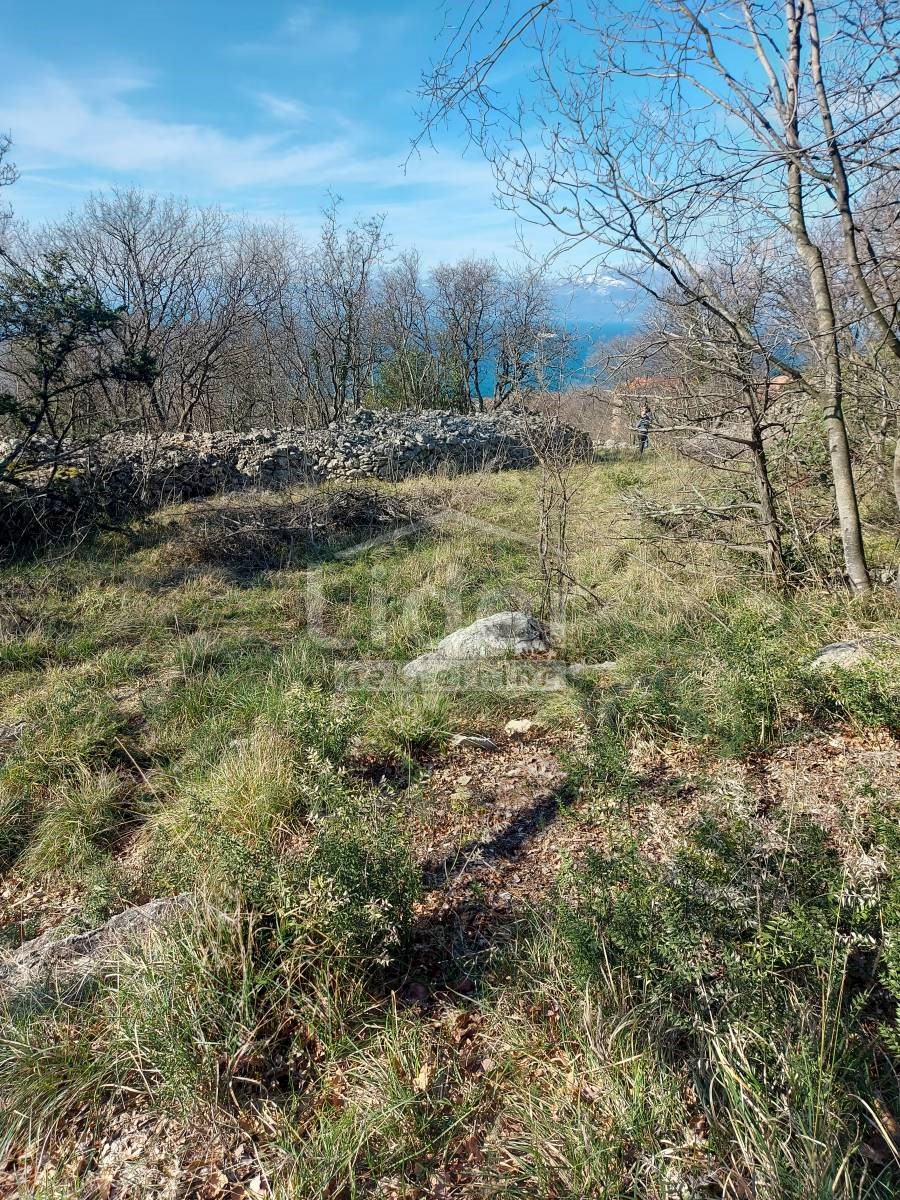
(320, 31)
(281, 108)
(96, 126)
(76, 136)
(58, 125)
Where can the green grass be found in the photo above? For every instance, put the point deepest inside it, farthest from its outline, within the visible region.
(78, 818)
(702, 1018)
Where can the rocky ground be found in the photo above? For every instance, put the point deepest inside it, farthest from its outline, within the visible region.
(493, 829)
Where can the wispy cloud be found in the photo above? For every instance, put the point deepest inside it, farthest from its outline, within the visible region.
(323, 31)
(280, 108)
(96, 125)
(310, 31)
(79, 134)
(59, 124)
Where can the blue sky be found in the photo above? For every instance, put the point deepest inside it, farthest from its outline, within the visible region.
(263, 108)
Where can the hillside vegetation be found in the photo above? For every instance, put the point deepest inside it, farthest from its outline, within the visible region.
(648, 946)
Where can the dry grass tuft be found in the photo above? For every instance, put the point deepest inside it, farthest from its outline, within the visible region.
(270, 533)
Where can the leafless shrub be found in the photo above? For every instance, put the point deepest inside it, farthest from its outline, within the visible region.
(251, 534)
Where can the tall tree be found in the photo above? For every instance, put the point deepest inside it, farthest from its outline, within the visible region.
(411, 373)
(661, 127)
(330, 311)
(183, 283)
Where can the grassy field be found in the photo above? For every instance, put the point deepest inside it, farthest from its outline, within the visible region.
(650, 948)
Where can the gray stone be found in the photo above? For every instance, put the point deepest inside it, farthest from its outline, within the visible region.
(847, 655)
(10, 733)
(472, 741)
(841, 654)
(497, 636)
(126, 473)
(54, 966)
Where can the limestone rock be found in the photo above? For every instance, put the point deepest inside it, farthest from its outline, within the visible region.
(497, 636)
(64, 966)
(122, 474)
(518, 729)
(847, 655)
(162, 467)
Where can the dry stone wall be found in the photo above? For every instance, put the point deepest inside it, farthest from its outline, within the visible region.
(123, 473)
(381, 445)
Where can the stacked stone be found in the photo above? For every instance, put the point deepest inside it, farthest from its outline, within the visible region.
(383, 445)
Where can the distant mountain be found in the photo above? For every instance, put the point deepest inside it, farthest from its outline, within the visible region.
(595, 313)
(605, 300)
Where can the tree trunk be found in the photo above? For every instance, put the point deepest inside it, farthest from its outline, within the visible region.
(842, 474)
(831, 389)
(831, 395)
(768, 513)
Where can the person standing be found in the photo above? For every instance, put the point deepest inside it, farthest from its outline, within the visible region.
(645, 420)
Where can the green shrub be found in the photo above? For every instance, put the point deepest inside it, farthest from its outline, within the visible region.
(762, 963)
(603, 768)
(15, 823)
(106, 888)
(363, 886)
(730, 675)
(726, 927)
(225, 829)
(867, 696)
(318, 722)
(209, 1007)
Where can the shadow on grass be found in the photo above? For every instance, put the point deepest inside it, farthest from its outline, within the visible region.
(468, 917)
(243, 537)
(503, 845)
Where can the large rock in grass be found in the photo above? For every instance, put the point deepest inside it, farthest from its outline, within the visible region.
(50, 966)
(9, 737)
(848, 655)
(502, 635)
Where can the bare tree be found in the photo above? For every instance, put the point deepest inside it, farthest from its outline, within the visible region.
(411, 373)
(328, 310)
(466, 304)
(874, 366)
(490, 318)
(558, 456)
(8, 171)
(183, 279)
(660, 127)
(706, 382)
(526, 357)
